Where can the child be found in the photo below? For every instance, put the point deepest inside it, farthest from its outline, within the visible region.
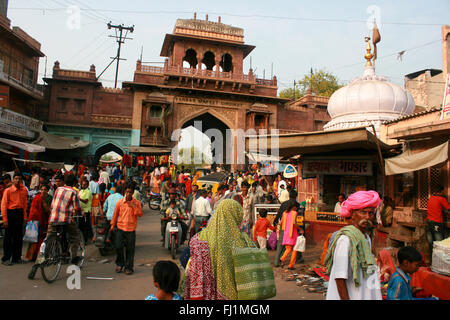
(261, 226)
(166, 278)
(289, 225)
(172, 209)
(399, 287)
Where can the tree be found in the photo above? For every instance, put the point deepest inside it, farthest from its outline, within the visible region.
(321, 82)
(192, 158)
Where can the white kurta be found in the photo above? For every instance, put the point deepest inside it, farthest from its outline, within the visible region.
(341, 269)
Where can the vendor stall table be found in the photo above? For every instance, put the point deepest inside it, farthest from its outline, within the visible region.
(432, 283)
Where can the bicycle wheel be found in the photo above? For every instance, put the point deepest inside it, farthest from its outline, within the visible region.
(51, 266)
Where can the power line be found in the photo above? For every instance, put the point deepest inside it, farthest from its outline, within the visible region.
(88, 9)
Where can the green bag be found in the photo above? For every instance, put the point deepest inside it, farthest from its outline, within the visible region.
(253, 274)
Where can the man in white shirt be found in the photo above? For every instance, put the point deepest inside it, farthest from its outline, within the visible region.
(350, 262)
(202, 210)
(34, 179)
(284, 194)
(337, 207)
(104, 177)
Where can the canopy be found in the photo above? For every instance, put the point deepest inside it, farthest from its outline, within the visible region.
(8, 152)
(258, 157)
(150, 150)
(43, 164)
(22, 145)
(216, 176)
(321, 141)
(54, 142)
(408, 161)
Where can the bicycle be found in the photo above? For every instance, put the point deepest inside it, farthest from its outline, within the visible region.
(56, 252)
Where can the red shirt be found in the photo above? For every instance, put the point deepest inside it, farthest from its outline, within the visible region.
(435, 206)
(261, 227)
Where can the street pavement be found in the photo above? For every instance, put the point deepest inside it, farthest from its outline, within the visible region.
(16, 286)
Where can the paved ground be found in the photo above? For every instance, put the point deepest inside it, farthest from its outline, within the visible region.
(16, 286)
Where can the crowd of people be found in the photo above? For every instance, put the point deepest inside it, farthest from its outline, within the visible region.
(217, 221)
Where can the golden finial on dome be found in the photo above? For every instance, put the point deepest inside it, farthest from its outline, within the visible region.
(368, 56)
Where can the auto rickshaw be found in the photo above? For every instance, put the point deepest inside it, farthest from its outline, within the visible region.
(214, 180)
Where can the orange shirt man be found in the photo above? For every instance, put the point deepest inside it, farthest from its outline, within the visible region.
(14, 213)
(125, 216)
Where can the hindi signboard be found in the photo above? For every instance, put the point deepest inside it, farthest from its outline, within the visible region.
(313, 167)
(18, 124)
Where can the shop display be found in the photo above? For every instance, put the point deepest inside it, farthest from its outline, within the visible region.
(441, 257)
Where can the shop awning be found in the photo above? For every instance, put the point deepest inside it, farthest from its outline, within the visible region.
(150, 150)
(321, 142)
(54, 142)
(8, 152)
(407, 161)
(43, 164)
(22, 145)
(258, 157)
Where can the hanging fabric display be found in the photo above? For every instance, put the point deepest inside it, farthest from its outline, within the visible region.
(147, 161)
(141, 161)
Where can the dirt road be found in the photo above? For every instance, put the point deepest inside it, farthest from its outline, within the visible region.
(16, 286)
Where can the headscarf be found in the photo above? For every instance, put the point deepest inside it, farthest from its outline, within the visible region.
(359, 200)
(222, 234)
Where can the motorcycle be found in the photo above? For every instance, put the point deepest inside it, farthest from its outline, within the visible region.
(144, 190)
(154, 201)
(174, 233)
(102, 237)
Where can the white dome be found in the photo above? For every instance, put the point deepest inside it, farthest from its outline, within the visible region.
(368, 100)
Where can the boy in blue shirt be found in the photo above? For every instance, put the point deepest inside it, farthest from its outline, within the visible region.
(399, 287)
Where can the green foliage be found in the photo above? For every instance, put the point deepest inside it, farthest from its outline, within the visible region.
(321, 82)
(192, 158)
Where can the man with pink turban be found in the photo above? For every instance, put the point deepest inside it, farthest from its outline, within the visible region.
(349, 260)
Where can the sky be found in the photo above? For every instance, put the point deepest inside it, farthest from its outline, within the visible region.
(292, 35)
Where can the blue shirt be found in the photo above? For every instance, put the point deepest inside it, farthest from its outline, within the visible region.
(399, 287)
(110, 205)
(93, 186)
(152, 297)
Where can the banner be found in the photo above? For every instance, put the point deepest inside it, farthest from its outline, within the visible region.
(337, 167)
(446, 103)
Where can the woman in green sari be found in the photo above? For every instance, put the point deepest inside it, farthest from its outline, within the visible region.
(210, 272)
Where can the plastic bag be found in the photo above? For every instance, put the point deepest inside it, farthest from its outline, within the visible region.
(272, 241)
(31, 232)
(300, 245)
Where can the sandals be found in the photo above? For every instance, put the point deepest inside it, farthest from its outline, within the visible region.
(119, 269)
(128, 272)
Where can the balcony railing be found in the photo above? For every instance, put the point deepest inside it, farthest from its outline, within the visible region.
(153, 141)
(19, 81)
(178, 70)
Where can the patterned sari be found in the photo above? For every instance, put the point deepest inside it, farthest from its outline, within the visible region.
(220, 236)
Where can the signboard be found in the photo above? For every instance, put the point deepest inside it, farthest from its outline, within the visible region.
(446, 103)
(4, 96)
(17, 124)
(337, 167)
(290, 171)
(272, 210)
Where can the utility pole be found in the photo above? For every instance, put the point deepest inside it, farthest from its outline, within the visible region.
(120, 40)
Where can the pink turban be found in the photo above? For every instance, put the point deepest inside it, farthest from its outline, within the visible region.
(359, 200)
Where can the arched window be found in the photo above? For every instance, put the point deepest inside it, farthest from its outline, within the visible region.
(209, 60)
(191, 58)
(227, 62)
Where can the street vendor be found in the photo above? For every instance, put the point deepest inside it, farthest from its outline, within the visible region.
(350, 261)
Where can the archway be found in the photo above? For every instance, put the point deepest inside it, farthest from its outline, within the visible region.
(106, 148)
(209, 60)
(227, 62)
(216, 132)
(191, 58)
